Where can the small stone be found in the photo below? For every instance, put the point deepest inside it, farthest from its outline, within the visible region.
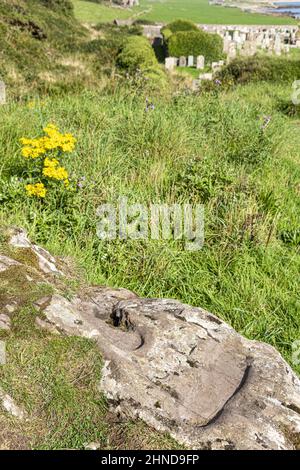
(92, 446)
(6, 263)
(46, 262)
(5, 322)
(10, 406)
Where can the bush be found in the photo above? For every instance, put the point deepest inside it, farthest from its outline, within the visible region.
(180, 25)
(111, 42)
(196, 43)
(138, 58)
(136, 53)
(261, 69)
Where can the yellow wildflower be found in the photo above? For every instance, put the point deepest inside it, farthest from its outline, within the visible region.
(53, 140)
(52, 170)
(32, 148)
(51, 162)
(37, 189)
(50, 129)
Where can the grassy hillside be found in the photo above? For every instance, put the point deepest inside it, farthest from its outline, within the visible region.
(165, 11)
(40, 46)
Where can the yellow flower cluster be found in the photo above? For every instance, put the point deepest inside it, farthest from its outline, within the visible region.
(53, 170)
(37, 189)
(48, 149)
(52, 140)
(35, 104)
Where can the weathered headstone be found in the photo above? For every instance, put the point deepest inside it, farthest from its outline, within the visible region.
(277, 45)
(215, 66)
(182, 61)
(195, 85)
(236, 36)
(231, 52)
(226, 44)
(2, 93)
(190, 61)
(170, 63)
(259, 39)
(249, 48)
(243, 37)
(200, 62)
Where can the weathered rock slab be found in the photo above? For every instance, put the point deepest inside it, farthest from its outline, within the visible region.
(184, 371)
(179, 368)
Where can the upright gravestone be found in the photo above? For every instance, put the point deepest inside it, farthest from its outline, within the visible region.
(243, 37)
(236, 36)
(215, 66)
(190, 61)
(200, 62)
(182, 61)
(226, 43)
(259, 40)
(195, 85)
(232, 52)
(170, 63)
(2, 93)
(277, 45)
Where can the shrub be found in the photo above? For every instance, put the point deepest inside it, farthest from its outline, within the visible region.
(138, 58)
(196, 43)
(136, 53)
(176, 27)
(180, 25)
(167, 33)
(261, 69)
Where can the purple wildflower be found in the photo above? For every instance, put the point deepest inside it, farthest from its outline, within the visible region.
(149, 105)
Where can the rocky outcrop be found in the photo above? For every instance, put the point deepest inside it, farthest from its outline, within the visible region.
(179, 368)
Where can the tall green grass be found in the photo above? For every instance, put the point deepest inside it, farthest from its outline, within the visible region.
(212, 149)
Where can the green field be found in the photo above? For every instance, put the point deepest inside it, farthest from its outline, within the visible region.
(164, 11)
(95, 13)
